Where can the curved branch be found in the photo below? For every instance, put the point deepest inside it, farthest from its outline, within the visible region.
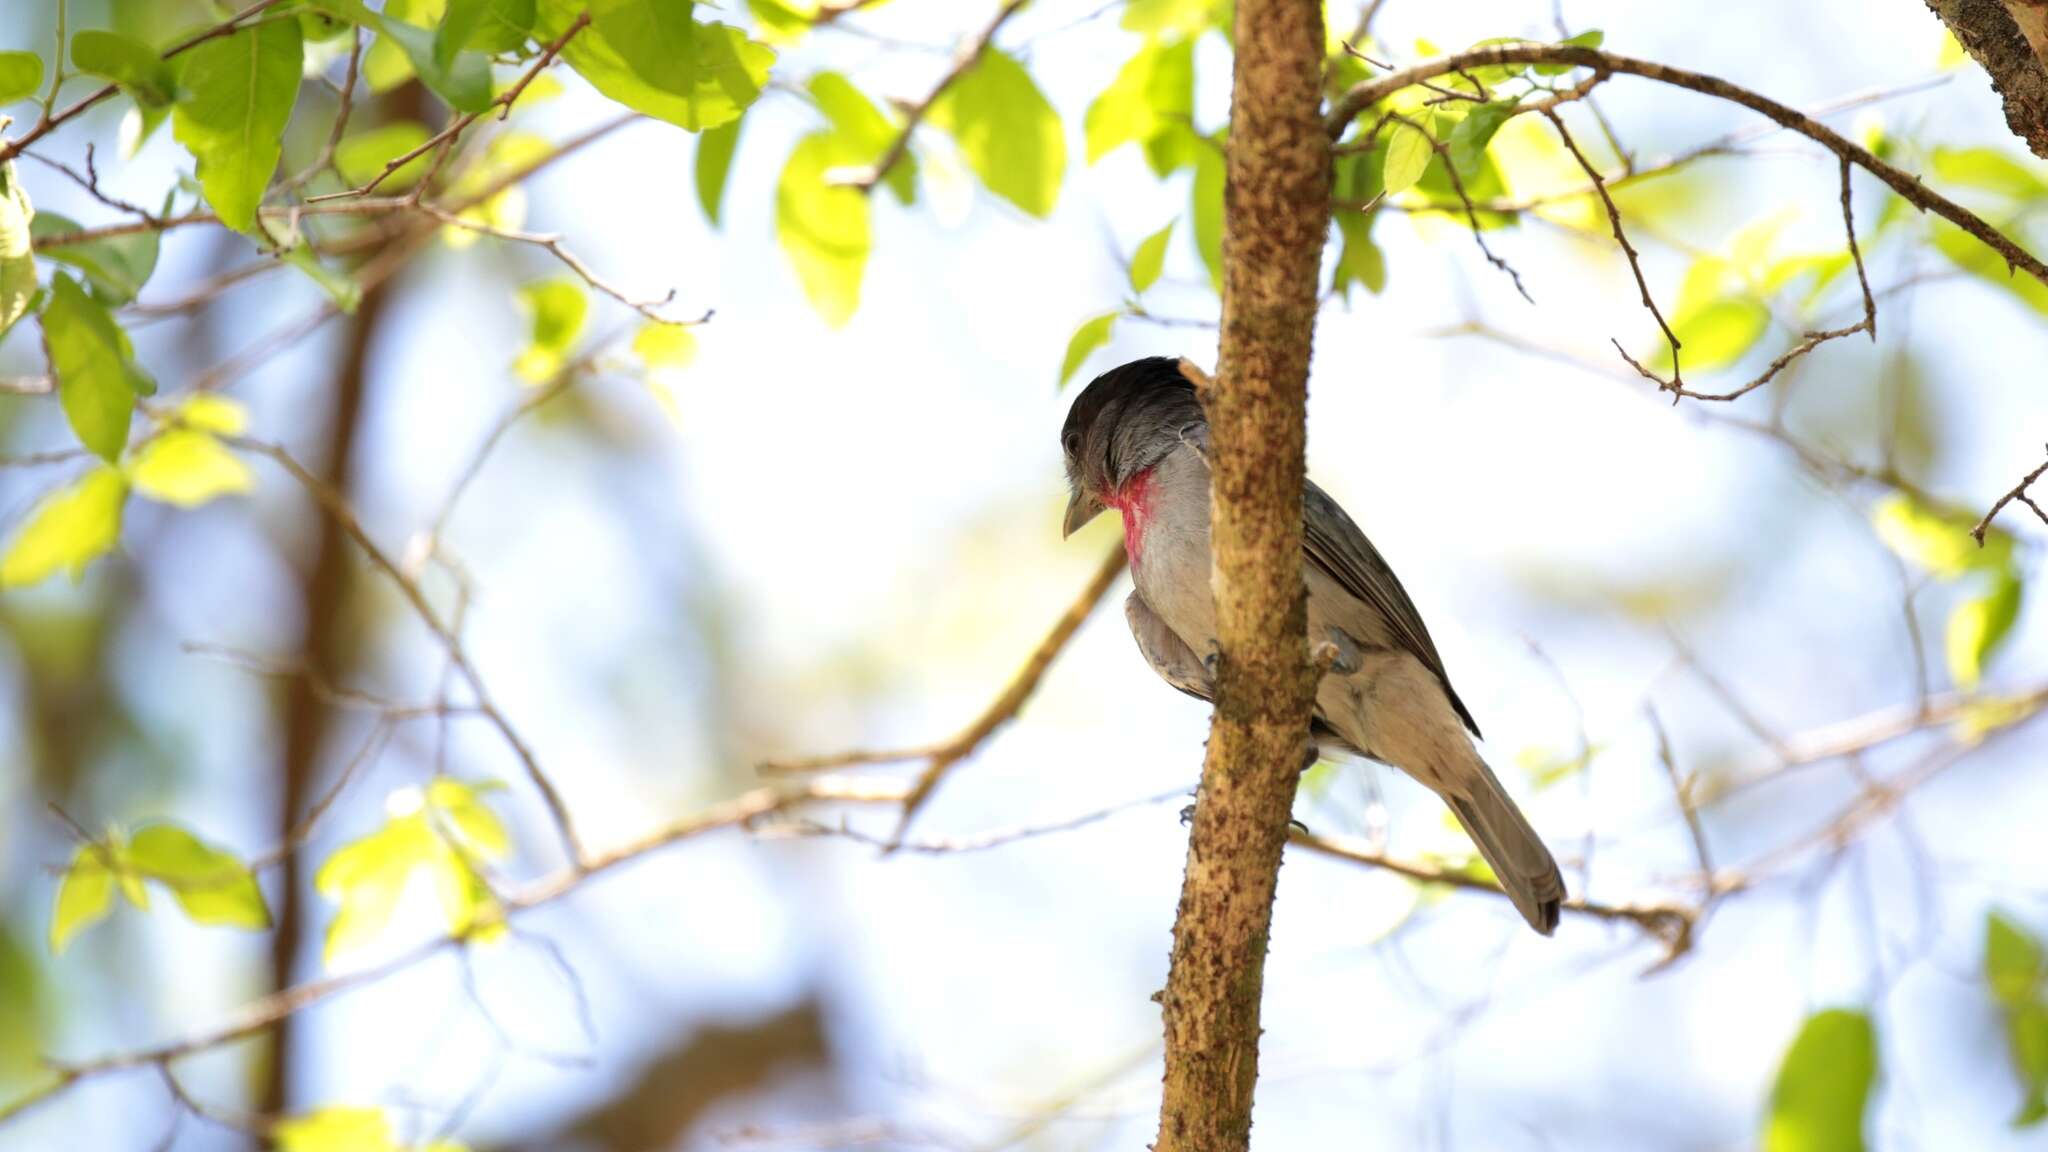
(1907, 185)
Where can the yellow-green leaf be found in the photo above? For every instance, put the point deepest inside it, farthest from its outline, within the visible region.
(237, 97)
(366, 878)
(335, 1130)
(71, 528)
(84, 896)
(713, 166)
(1971, 255)
(97, 381)
(653, 57)
(862, 133)
(669, 346)
(213, 886)
(21, 73)
(1992, 170)
(1936, 539)
(211, 413)
(1091, 335)
(823, 227)
(460, 803)
(1824, 1085)
(2015, 964)
(1206, 207)
(1717, 335)
(361, 156)
(1151, 102)
(1150, 259)
(17, 258)
(1978, 625)
(1360, 261)
(140, 70)
(431, 837)
(188, 467)
(1008, 132)
(115, 266)
(1158, 17)
(1408, 154)
(555, 312)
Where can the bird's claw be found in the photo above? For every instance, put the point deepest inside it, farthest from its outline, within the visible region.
(1337, 654)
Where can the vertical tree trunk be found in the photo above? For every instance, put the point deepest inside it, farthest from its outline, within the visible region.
(2009, 40)
(323, 591)
(1276, 213)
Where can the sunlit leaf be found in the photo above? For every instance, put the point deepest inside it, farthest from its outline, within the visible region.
(1151, 102)
(116, 267)
(2016, 970)
(237, 96)
(335, 1130)
(665, 345)
(90, 357)
(139, 69)
(21, 73)
(1408, 152)
(1991, 170)
(1149, 259)
(555, 312)
(211, 413)
(463, 79)
(1971, 255)
(487, 26)
(653, 57)
(1008, 132)
(71, 528)
(1936, 539)
(1591, 38)
(1547, 768)
(340, 285)
(84, 896)
(823, 227)
(1824, 1085)
(460, 804)
(213, 886)
(1157, 17)
(431, 837)
(1979, 625)
(1360, 261)
(1475, 131)
(861, 131)
(713, 166)
(1717, 335)
(188, 467)
(1091, 335)
(361, 156)
(17, 258)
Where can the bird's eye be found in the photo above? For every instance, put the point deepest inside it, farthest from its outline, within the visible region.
(1071, 443)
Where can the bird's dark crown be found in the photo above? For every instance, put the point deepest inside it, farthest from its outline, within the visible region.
(1119, 422)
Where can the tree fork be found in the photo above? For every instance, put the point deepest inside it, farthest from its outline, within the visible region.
(1276, 214)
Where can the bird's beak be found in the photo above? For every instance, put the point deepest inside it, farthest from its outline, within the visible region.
(1081, 508)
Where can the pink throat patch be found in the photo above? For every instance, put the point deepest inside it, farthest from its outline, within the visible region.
(1134, 501)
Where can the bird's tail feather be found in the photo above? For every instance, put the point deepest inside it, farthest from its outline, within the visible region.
(1510, 847)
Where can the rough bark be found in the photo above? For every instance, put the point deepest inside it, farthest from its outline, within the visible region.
(2009, 40)
(1276, 213)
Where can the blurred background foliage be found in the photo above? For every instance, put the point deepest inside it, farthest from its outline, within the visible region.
(740, 337)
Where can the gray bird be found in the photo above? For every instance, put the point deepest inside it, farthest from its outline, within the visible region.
(1136, 440)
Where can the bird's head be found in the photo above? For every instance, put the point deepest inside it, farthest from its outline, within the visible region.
(1124, 422)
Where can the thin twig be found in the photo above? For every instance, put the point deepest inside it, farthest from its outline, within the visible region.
(2019, 493)
(969, 54)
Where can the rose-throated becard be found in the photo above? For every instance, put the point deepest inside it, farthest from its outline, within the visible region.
(1136, 440)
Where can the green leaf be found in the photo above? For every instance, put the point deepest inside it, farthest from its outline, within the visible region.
(2015, 964)
(1937, 539)
(1979, 625)
(336, 1130)
(431, 837)
(1469, 139)
(2027, 1031)
(84, 896)
(861, 130)
(1971, 255)
(1717, 334)
(140, 71)
(1149, 259)
(1091, 335)
(1409, 151)
(1009, 134)
(1360, 261)
(488, 26)
(361, 156)
(342, 287)
(188, 467)
(1159, 17)
(116, 267)
(71, 528)
(21, 73)
(1151, 102)
(715, 148)
(213, 886)
(1591, 38)
(665, 346)
(653, 57)
(238, 93)
(90, 356)
(1824, 1085)
(463, 79)
(1206, 206)
(555, 311)
(1991, 170)
(17, 249)
(823, 227)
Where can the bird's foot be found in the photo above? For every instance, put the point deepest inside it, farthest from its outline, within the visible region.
(1337, 654)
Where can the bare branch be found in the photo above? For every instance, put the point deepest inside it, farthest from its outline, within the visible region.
(2019, 493)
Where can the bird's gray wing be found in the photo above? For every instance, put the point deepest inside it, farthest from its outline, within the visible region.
(1336, 545)
(1166, 652)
